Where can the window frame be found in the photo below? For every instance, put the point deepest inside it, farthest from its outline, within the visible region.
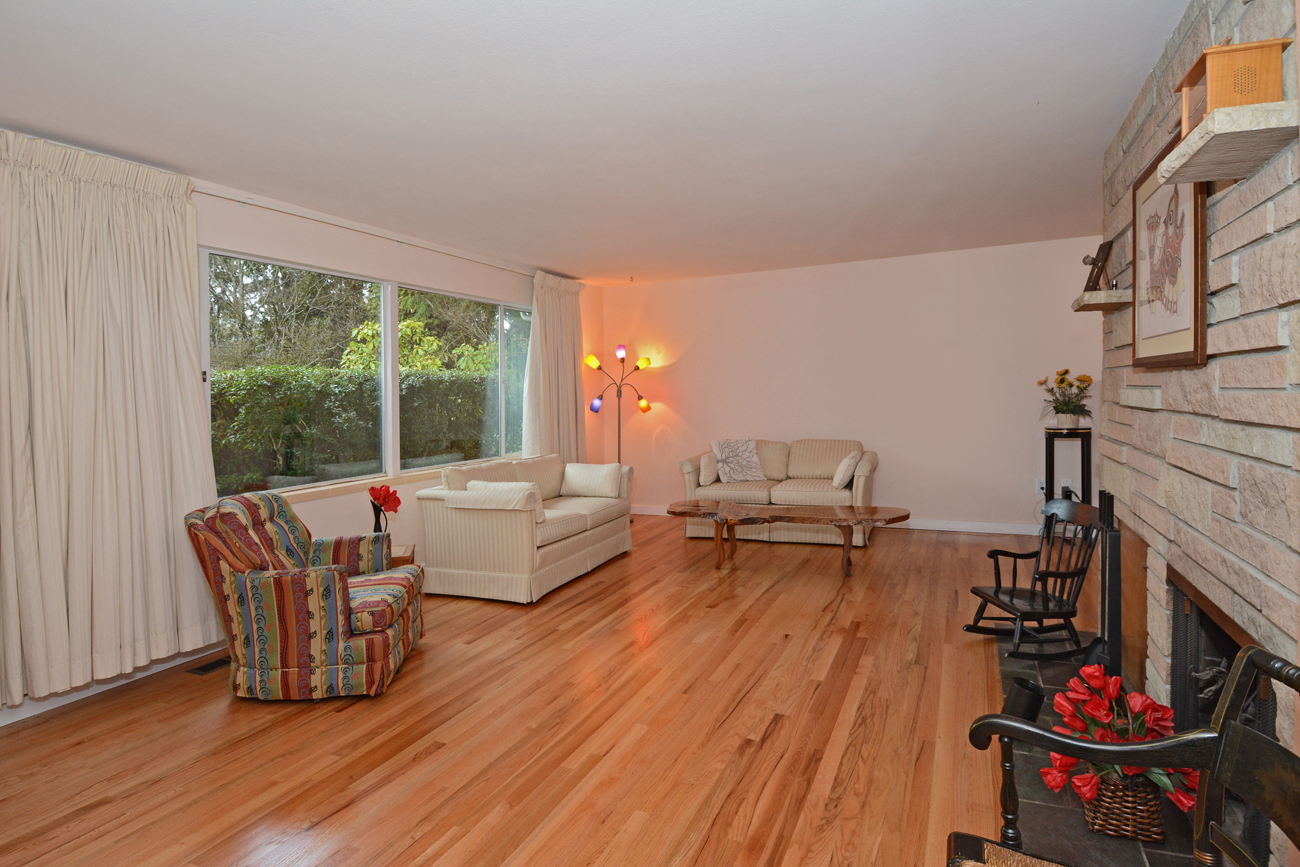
(390, 390)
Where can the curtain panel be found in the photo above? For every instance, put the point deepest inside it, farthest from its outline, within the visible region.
(553, 420)
(104, 441)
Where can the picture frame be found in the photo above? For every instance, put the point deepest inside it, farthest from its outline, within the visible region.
(1098, 264)
(1170, 262)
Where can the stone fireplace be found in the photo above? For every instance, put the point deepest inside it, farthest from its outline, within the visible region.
(1205, 462)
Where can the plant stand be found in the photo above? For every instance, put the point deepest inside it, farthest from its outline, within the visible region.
(1084, 436)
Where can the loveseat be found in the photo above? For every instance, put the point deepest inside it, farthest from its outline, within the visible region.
(516, 530)
(799, 473)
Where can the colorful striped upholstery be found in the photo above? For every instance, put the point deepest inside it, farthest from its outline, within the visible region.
(304, 619)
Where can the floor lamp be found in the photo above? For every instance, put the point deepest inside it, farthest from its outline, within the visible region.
(620, 352)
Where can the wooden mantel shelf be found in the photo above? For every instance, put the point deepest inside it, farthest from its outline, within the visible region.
(1104, 299)
(1231, 143)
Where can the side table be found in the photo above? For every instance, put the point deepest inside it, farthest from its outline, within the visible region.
(1084, 436)
(403, 555)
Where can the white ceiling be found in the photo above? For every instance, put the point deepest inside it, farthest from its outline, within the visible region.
(606, 140)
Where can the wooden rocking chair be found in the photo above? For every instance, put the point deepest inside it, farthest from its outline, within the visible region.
(1232, 757)
(1051, 593)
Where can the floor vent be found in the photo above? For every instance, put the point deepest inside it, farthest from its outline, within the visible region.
(209, 667)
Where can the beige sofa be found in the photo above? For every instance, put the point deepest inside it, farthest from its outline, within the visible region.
(489, 542)
(798, 473)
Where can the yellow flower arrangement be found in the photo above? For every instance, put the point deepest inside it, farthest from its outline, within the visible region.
(1066, 396)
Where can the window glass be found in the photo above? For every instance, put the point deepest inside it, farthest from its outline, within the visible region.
(448, 363)
(295, 376)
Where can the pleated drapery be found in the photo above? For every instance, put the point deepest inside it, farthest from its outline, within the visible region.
(553, 406)
(104, 442)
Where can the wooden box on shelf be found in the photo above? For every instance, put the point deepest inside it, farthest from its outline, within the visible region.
(1226, 75)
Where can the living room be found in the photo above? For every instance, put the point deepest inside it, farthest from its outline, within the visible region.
(779, 234)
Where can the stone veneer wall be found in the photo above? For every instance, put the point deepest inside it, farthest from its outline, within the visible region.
(1205, 463)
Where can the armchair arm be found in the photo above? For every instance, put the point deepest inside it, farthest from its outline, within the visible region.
(511, 501)
(691, 473)
(1194, 749)
(863, 476)
(364, 554)
(290, 618)
(996, 553)
(479, 531)
(625, 483)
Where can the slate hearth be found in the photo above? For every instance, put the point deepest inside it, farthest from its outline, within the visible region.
(1052, 822)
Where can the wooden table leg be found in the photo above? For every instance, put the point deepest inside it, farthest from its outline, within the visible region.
(731, 534)
(848, 549)
(717, 541)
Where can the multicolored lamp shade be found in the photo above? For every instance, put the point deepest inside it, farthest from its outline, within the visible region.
(620, 352)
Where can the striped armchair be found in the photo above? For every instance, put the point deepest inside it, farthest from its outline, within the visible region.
(304, 618)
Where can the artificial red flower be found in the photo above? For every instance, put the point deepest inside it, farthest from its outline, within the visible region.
(1063, 763)
(1190, 776)
(1063, 730)
(1098, 710)
(1161, 719)
(1063, 705)
(1111, 690)
(1075, 723)
(1054, 779)
(1078, 690)
(385, 497)
(1183, 800)
(1095, 675)
(1133, 771)
(1106, 736)
(1086, 785)
(1139, 702)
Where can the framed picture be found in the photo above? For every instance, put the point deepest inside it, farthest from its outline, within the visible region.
(1169, 271)
(1098, 264)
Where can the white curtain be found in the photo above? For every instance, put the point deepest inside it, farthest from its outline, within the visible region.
(553, 406)
(103, 424)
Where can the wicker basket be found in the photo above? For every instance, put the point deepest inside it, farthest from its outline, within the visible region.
(1126, 808)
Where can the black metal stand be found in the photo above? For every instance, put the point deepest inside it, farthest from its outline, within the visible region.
(1084, 436)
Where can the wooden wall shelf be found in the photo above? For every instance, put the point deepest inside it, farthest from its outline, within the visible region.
(1231, 143)
(1104, 299)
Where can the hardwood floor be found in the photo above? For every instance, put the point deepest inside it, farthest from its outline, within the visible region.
(653, 712)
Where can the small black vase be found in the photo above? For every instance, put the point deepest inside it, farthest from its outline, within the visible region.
(381, 520)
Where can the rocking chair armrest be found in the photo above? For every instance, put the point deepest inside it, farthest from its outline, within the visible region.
(1194, 749)
(1067, 573)
(995, 553)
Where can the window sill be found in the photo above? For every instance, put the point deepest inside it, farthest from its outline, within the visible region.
(325, 490)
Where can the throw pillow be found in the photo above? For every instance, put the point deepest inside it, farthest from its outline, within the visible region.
(539, 513)
(844, 473)
(590, 480)
(738, 461)
(708, 468)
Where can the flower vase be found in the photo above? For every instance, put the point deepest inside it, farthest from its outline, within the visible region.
(1127, 807)
(1068, 422)
(381, 520)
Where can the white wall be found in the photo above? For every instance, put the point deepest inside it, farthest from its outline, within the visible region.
(929, 360)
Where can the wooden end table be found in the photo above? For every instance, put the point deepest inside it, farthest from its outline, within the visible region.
(731, 514)
(402, 555)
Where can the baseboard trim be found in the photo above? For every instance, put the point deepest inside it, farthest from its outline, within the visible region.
(35, 706)
(987, 528)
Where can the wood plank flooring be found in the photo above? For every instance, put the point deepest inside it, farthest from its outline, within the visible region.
(653, 712)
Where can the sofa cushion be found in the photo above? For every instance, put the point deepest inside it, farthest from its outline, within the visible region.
(810, 492)
(377, 600)
(598, 510)
(738, 461)
(547, 472)
(455, 478)
(753, 493)
(560, 525)
(774, 458)
(513, 487)
(590, 480)
(818, 459)
(844, 472)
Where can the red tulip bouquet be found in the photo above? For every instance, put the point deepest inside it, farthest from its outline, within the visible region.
(1094, 710)
(383, 499)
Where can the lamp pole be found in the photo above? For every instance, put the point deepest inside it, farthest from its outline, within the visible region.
(617, 384)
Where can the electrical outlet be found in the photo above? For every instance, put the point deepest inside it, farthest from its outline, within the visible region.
(1040, 486)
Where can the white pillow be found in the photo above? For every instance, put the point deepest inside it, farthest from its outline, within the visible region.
(539, 514)
(844, 473)
(547, 471)
(590, 480)
(708, 468)
(738, 461)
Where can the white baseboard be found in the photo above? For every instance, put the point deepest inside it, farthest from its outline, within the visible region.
(982, 527)
(34, 706)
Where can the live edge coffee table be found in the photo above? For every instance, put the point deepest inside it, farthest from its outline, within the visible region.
(731, 514)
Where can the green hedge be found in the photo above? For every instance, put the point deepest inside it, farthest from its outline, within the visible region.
(285, 420)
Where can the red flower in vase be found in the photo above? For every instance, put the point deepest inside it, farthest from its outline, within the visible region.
(385, 498)
(1086, 785)
(1183, 800)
